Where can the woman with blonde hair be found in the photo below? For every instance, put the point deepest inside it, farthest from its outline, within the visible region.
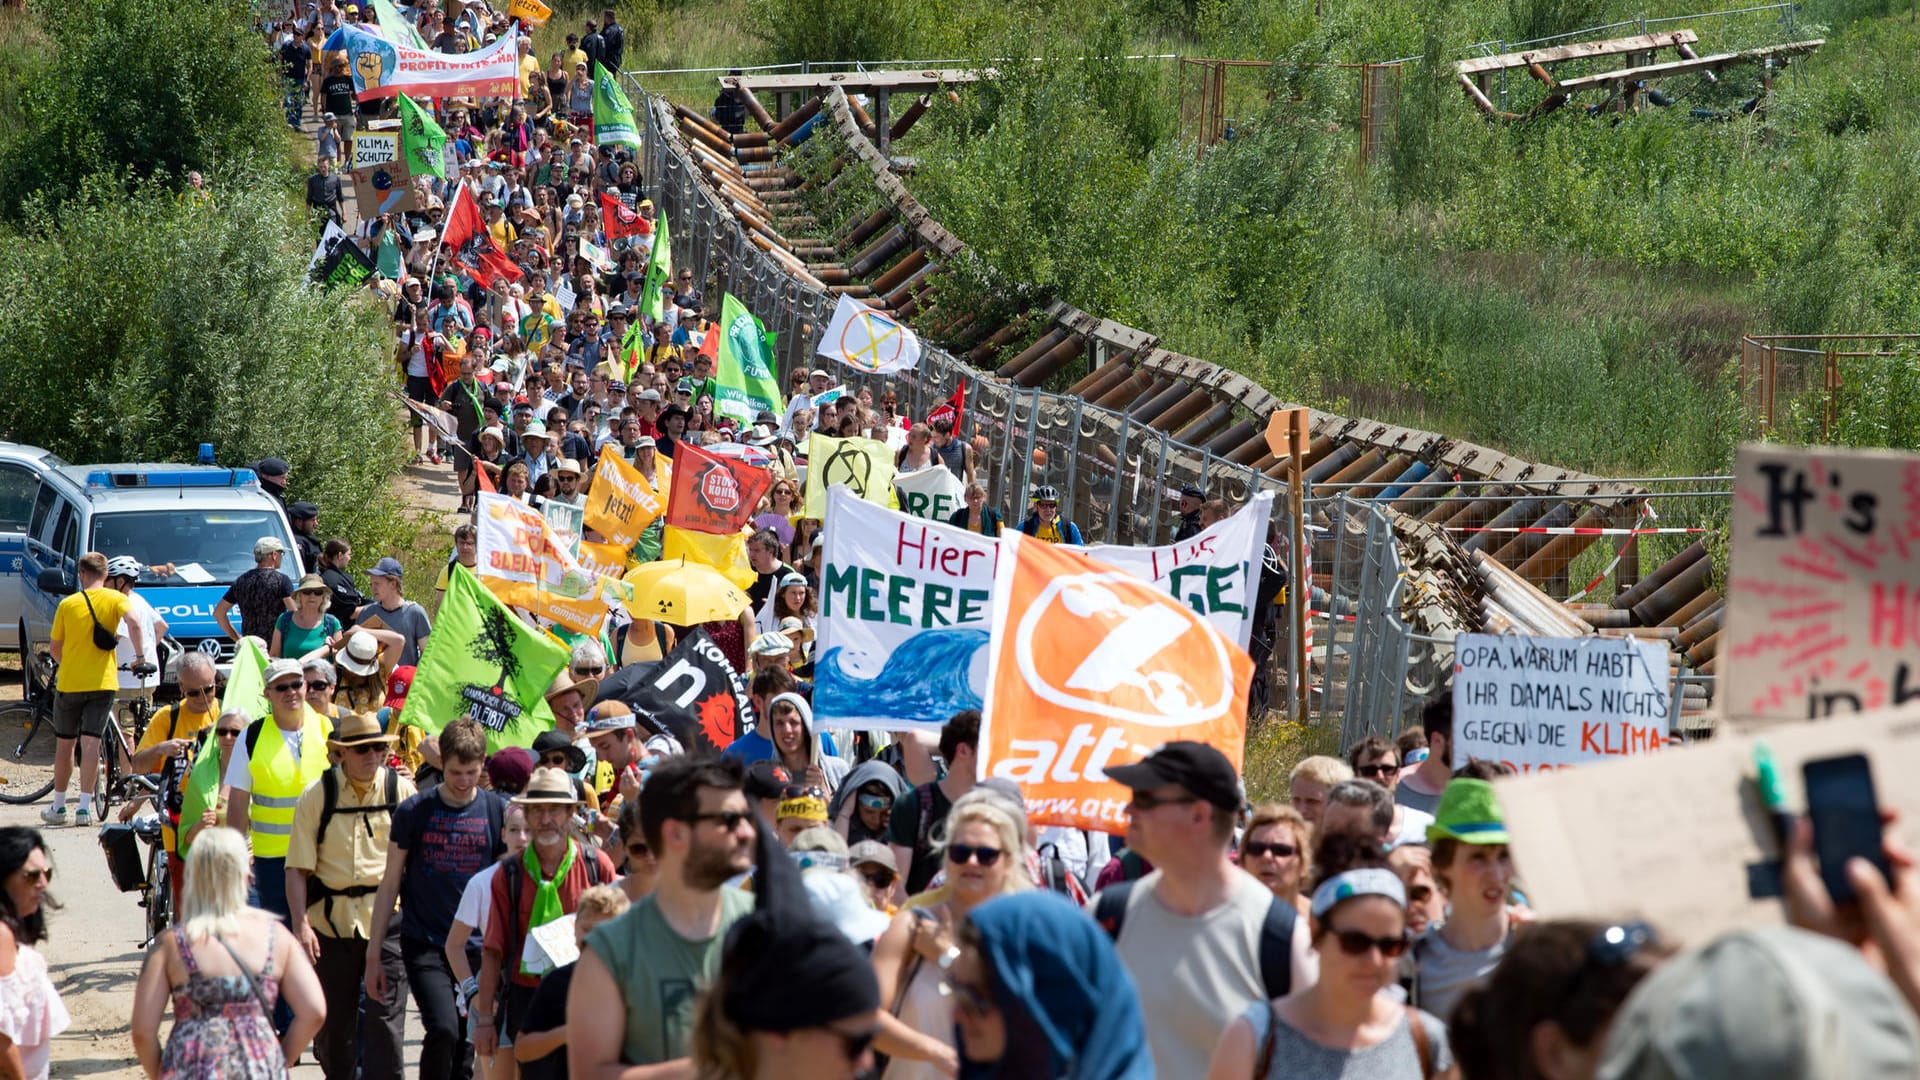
(1277, 848)
(984, 850)
(223, 998)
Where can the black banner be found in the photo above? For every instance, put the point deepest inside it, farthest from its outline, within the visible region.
(694, 694)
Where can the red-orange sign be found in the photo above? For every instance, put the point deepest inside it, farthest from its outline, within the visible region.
(714, 494)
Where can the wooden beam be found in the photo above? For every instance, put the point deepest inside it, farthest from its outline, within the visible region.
(1578, 51)
(1686, 67)
(908, 82)
(1687, 53)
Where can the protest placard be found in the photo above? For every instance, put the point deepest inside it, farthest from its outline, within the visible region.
(1216, 573)
(622, 504)
(1091, 667)
(524, 562)
(933, 493)
(1823, 584)
(375, 148)
(1544, 703)
(1681, 838)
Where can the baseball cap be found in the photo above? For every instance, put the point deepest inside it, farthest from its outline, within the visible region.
(788, 581)
(1767, 1001)
(649, 395)
(267, 545)
(1469, 812)
(872, 852)
(644, 441)
(280, 669)
(607, 716)
(1193, 765)
(387, 567)
(766, 779)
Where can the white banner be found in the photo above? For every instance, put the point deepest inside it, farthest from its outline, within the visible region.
(869, 340)
(1545, 703)
(904, 606)
(382, 68)
(933, 493)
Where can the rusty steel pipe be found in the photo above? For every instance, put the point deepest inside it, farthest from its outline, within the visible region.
(1043, 367)
(875, 255)
(750, 138)
(1231, 438)
(1513, 549)
(754, 109)
(688, 116)
(865, 231)
(1474, 515)
(1093, 382)
(1343, 455)
(1250, 452)
(1705, 650)
(795, 118)
(1054, 336)
(909, 118)
(1203, 427)
(1183, 410)
(1151, 409)
(860, 117)
(1703, 627)
(831, 273)
(1553, 558)
(1609, 619)
(1519, 513)
(891, 279)
(1694, 608)
(916, 288)
(1125, 392)
(999, 339)
(1674, 595)
(1382, 477)
(1356, 468)
(1662, 574)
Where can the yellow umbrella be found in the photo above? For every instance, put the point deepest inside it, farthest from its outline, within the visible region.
(684, 593)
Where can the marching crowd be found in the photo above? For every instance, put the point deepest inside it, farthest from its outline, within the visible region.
(809, 903)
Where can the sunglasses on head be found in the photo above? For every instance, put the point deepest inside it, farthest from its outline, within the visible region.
(1284, 851)
(961, 854)
(1355, 943)
(801, 791)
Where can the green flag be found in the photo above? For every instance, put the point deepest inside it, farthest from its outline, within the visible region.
(659, 272)
(421, 140)
(397, 29)
(743, 377)
(482, 663)
(246, 691)
(612, 112)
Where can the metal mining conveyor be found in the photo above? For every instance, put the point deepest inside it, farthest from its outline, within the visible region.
(1488, 538)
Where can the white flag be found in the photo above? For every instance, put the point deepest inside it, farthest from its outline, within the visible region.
(869, 340)
(933, 492)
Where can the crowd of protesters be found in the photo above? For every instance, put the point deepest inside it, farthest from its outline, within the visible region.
(811, 903)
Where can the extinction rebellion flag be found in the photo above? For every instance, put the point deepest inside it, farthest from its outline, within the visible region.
(482, 663)
(714, 494)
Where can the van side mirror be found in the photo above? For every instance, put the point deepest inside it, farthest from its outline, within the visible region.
(53, 582)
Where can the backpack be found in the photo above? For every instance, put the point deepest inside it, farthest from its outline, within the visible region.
(318, 890)
(1276, 934)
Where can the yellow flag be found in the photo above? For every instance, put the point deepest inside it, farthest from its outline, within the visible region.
(533, 12)
(865, 466)
(725, 553)
(620, 502)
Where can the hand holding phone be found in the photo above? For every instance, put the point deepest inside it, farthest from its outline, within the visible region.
(1845, 816)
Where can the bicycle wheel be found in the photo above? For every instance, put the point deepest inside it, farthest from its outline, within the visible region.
(158, 895)
(26, 752)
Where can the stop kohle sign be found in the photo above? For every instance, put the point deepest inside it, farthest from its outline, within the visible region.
(1091, 667)
(713, 494)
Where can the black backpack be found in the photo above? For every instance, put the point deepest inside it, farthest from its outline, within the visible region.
(318, 890)
(1276, 934)
(515, 874)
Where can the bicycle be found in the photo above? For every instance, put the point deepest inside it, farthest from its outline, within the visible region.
(26, 758)
(156, 891)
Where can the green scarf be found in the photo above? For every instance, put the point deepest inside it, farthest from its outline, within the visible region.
(546, 898)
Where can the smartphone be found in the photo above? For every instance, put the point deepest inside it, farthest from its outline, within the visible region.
(1846, 820)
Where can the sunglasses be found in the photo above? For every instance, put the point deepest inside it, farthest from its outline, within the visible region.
(801, 791)
(227, 733)
(728, 819)
(287, 688)
(558, 760)
(639, 850)
(1377, 770)
(38, 877)
(367, 748)
(1355, 943)
(589, 672)
(876, 802)
(1256, 850)
(198, 691)
(969, 999)
(317, 685)
(880, 880)
(961, 854)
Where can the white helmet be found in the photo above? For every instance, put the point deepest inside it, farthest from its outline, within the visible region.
(125, 566)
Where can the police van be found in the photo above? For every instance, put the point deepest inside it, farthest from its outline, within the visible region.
(201, 519)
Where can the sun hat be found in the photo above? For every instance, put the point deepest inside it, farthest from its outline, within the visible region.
(495, 434)
(361, 656)
(550, 741)
(795, 629)
(1769, 1001)
(839, 899)
(1366, 881)
(567, 465)
(565, 682)
(312, 583)
(1469, 812)
(354, 729)
(548, 786)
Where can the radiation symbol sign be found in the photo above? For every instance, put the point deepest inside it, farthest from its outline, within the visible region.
(1110, 645)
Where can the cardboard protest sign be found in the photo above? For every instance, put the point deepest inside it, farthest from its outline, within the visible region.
(1823, 584)
(696, 695)
(375, 148)
(1680, 838)
(620, 502)
(1544, 703)
(1090, 667)
(383, 188)
(933, 493)
(903, 616)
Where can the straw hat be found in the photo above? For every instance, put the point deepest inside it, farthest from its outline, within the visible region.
(549, 786)
(565, 681)
(354, 729)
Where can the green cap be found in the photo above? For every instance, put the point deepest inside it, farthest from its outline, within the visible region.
(1470, 813)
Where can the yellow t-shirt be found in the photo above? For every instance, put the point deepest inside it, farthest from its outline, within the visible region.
(85, 666)
(175, 722)
(1050, 532)
(529, 71)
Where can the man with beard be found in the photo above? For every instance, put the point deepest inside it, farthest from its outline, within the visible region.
(634, 989)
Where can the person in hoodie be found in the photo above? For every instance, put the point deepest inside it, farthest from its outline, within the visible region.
(1040, 994)
(752, 1023)
(863, 804)
(796, 745)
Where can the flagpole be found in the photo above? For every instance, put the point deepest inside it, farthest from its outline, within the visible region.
(440, 241)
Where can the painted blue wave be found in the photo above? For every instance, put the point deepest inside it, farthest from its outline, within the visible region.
(926, 678)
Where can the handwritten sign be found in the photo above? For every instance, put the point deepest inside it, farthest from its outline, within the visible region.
(620, 503)
(1674, 838)
(1823, 586)
(375, 148)
(1545, 703)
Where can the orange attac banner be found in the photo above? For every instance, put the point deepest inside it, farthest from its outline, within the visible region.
(714, 494)
(1090, 667)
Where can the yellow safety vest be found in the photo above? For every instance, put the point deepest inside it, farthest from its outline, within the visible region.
(278, 781)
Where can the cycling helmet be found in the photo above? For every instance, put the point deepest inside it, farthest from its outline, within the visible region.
(1046, 493)
(125, 566)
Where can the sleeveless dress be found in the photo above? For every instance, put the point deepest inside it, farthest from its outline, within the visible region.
(218, 1027)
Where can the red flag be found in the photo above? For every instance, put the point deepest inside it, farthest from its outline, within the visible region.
(621, 222)
(713, 494)
(951, 408)
(473, 248)
(710, 345)
(481, 478)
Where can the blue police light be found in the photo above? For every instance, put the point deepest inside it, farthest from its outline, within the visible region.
(172, 477)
